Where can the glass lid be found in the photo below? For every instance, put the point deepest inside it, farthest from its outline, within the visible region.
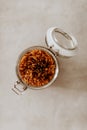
(61, 42)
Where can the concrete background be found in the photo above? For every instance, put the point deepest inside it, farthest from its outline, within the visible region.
(63, 106)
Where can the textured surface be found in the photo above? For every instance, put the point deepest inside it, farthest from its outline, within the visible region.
(63, 106)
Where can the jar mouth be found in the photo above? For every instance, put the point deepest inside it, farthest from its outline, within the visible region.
(51, 53)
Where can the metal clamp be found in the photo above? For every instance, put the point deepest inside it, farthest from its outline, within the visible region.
(17, 90)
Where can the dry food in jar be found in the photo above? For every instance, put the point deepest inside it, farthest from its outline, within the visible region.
(37, 68)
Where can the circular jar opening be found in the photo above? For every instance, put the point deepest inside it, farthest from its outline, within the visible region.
(37, 67)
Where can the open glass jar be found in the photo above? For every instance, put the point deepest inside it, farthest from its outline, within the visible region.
(37, 67)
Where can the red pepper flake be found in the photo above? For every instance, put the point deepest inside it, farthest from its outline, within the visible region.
(37, 68)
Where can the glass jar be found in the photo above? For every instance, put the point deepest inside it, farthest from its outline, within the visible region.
(54, 49)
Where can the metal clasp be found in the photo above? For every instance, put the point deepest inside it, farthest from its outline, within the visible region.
(17, 90)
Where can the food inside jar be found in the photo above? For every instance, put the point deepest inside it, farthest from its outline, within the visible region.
(37, 68)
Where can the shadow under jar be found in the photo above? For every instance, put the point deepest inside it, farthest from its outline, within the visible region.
(37, 67)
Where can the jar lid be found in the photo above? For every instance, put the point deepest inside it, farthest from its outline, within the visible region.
(57, 46)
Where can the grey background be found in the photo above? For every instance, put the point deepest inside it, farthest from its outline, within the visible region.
(63, 106)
